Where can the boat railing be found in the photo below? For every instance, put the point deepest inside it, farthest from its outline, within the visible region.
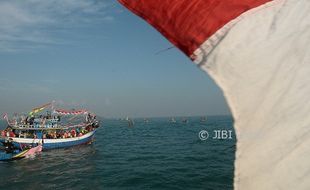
(35, 126)
(47, 126)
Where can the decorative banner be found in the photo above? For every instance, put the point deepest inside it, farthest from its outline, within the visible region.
(72, 112)
(39, 109)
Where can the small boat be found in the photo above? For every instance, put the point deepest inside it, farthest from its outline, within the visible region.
(203, 119)
(185, 120)
(11, 153)
(130, 122)
(145, 120)
(57, 128)
(172, 120)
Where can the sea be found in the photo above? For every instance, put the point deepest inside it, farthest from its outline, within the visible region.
(157, 154)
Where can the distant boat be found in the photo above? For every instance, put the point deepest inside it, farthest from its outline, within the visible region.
(185, 120)
(130, 122)
(146, 120)
(172, 120)
(203, 119)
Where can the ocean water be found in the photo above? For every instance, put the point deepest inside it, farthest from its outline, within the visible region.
(154, 155)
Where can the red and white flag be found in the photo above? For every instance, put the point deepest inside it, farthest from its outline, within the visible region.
(5, 116)
(258, 52)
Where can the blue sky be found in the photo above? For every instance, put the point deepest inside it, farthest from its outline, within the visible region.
(96, 55)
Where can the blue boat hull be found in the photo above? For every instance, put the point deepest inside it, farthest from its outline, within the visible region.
(16, 155)
(4, 156)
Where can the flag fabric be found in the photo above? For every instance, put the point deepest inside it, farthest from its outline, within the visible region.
(71, 112)
(258, 52)
(39, 109)
(5, 116)
(33, 151)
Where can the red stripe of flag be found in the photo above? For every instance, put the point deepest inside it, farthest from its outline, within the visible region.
(188, 23)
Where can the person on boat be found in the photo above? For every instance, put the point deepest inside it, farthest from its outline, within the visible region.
(73, 133)
(66, 134)
(77, 130)
(27, 120)
(59, 135)
(12, 134)
(3, 133)
(95, 124)
(9, 147)
(87, 118)
(83, 131)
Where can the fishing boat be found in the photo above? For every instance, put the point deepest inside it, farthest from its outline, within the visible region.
(9, 152)
(57, 128)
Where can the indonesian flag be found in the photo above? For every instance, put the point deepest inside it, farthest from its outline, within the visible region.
(258, 52)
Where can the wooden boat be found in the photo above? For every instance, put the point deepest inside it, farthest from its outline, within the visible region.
(55, 129)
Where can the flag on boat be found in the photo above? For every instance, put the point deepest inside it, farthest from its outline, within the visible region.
(39, 109)
(33, 151)
(258, 52)
(5, 116)
(71, 112)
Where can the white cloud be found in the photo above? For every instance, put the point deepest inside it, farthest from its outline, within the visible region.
(32, 24)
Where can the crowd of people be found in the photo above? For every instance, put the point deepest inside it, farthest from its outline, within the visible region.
(62, 134)
(8, 132)
(27, 124)
(48, 134)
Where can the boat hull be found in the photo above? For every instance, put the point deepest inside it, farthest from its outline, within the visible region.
(12, 156)
(56, 143)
